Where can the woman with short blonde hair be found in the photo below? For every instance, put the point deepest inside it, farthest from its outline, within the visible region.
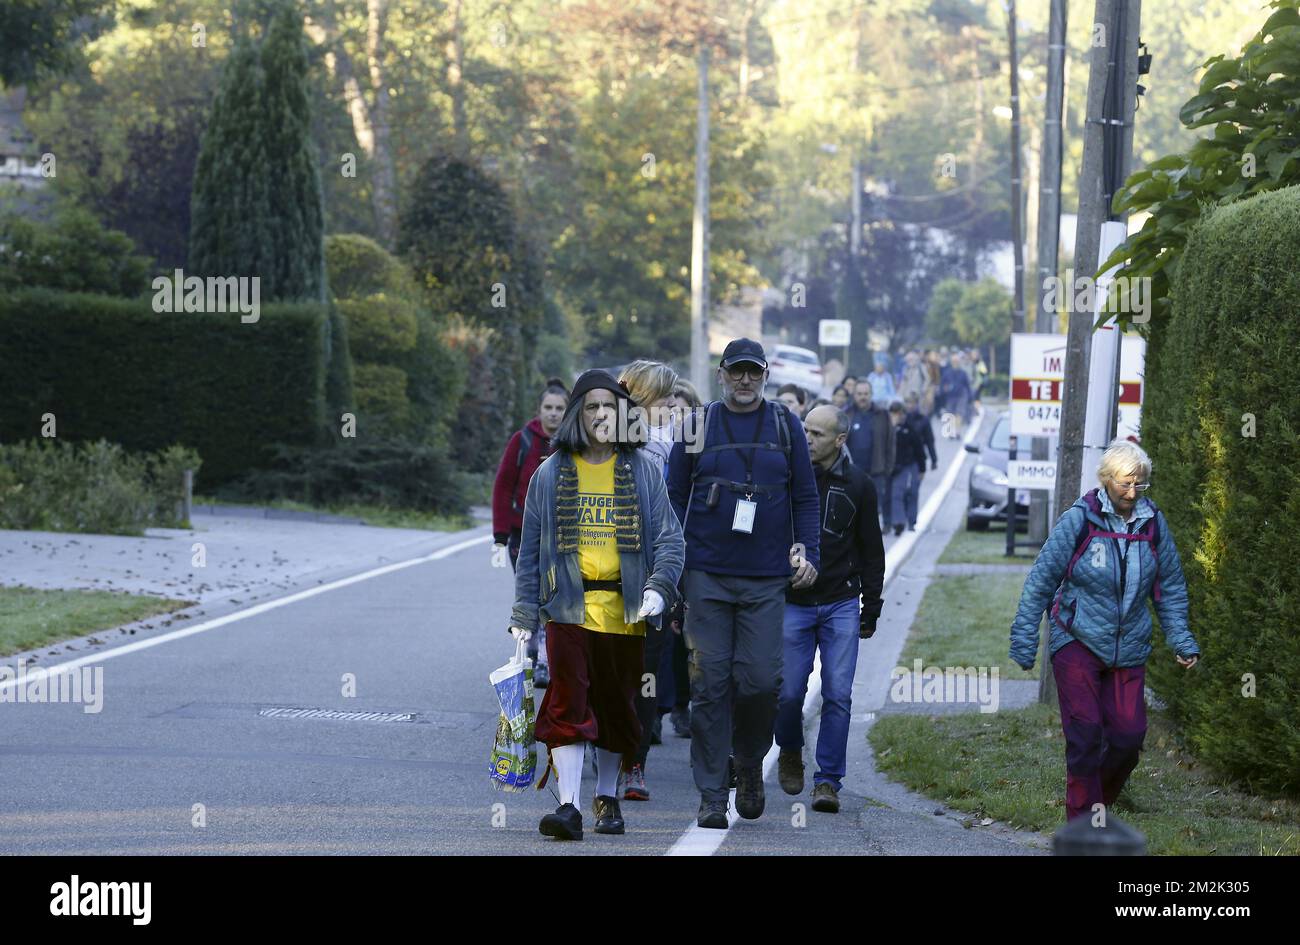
(1124, 459)
(650, 384)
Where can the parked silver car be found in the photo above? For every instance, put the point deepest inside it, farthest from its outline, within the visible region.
(988, 480)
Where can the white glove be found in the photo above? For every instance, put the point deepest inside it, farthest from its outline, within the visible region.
(652, 604)
(519, 633)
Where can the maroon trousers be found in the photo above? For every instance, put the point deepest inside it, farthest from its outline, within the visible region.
(1104, 719)
(595, 678)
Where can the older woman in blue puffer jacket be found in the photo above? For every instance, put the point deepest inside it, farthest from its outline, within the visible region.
(1106, 555)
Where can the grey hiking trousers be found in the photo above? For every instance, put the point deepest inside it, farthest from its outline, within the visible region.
(734, 631)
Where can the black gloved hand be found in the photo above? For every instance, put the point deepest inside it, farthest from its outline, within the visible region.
(866, 627)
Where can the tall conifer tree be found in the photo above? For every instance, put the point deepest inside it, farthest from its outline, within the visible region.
(256, 209)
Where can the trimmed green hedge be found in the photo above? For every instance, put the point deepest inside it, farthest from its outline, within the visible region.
(115, 369)
(1228, 359)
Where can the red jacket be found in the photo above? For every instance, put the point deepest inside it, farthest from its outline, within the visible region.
(511, 485)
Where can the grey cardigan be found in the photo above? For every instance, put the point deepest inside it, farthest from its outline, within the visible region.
(548, 585)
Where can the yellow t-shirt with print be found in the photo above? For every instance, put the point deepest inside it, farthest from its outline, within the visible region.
(598, 548)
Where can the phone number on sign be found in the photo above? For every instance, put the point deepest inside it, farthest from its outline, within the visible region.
(1043, 412)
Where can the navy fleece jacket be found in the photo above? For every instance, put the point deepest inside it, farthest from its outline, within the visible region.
(711, 545)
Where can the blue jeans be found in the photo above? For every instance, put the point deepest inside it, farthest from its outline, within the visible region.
(881, 483)
(833, 628)
(903, 491)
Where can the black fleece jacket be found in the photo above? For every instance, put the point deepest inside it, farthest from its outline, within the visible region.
(852, 551)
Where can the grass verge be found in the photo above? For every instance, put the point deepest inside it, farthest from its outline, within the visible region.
(984, 548)
(31, 618)
(1010, 766)
(380, 516)
(965, 620)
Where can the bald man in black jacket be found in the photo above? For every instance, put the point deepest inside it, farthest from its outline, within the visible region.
(827, 616)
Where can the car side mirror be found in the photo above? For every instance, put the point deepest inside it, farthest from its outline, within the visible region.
(972, 448)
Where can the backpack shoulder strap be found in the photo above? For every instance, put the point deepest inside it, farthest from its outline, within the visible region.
(702, 440)
(1081, 543)
(525, 446)
(782, 426)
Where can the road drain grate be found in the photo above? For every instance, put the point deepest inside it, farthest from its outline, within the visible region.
(333, 715)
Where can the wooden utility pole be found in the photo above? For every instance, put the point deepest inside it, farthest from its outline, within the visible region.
(1049, 193)
(1017, 230)
(1049, 225)
(700, 235)
(1107, 151)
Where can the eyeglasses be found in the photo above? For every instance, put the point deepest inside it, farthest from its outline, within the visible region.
(1126, 486)
(739, 371)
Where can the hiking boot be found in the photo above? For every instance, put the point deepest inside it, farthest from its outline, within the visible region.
(634, 788)
(564, 824)
(825, 798)
(681, 719)
(541, 676)
(609, 818)
(657, 730)
(749, 792)
(898, 530)
(713, 814)
(789, 770)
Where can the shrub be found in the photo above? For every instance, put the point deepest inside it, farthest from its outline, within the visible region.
(381, 400)
(391, 332)
(357, 266)
(74, 252)
(379, 327)
(995, 386)
(386, 473)
(1222, 423)
(55, 485)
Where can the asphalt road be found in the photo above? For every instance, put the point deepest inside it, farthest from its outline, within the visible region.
(185, 759)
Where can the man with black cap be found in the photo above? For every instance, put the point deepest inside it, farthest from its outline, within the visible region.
(602, 551)
(745, 491)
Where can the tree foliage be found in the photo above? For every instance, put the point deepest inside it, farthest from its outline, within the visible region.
(256, 208)
(74, 252)
(43, 37)
(1250, 103)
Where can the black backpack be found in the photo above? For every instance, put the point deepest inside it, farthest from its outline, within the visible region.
(525, 447)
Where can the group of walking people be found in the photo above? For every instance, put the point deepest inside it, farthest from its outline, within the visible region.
(699, 557)
(734, 527)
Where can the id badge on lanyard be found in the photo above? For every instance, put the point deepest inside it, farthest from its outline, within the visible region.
(743, 520)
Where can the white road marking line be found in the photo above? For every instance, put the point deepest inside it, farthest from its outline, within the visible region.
(703, 841)
(94, 658)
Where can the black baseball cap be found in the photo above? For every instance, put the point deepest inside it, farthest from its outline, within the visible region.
(744, 350)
